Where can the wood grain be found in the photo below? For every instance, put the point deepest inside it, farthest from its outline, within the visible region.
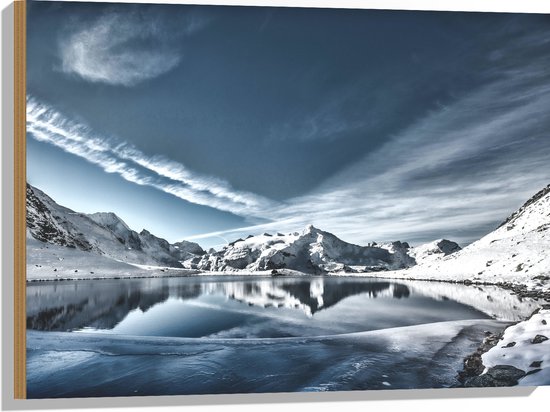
(20, 74)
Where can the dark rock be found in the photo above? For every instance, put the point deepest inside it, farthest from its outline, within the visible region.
(537, 310)
(535, 364)
(473, 365)
(533, 371)
(509, 345)
(485, 381)
(500, 375)
(506, 373)
(543, 321)
(481, 381)
(539, 339)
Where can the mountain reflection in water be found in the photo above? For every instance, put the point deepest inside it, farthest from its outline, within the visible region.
(102, 304)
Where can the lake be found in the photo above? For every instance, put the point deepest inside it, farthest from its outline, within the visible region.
(236, 334)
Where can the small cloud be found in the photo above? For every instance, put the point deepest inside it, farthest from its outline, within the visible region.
(123, 48)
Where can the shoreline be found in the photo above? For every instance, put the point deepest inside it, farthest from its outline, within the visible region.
(517, 289)
(476, 374)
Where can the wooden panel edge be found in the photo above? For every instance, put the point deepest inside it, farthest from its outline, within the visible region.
(20, 73)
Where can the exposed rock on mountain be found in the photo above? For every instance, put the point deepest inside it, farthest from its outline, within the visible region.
(46, 221)
(433, 250)
(311, 251)
(102, 234)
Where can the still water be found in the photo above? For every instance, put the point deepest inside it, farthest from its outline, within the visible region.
(206, 335)
(234, 307)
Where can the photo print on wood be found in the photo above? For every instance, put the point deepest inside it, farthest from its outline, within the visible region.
(230, 199)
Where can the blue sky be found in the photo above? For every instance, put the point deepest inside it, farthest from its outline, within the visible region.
(208, 123)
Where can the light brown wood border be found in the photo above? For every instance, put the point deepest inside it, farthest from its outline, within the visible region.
(20, 77)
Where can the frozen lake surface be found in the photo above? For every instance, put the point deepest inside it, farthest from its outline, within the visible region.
(198, 335)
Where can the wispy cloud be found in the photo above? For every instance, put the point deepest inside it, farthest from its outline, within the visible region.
(123, 48)
(455, 173)
(47, 125)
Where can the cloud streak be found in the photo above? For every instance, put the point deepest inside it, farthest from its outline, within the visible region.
(455, 173)
(122, 48)
(45, 124)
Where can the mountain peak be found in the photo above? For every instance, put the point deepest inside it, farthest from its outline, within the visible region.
(536, 197)
(108, 219)
(310, 229)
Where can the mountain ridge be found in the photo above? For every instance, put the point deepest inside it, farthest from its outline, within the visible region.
(101, 233)
(311, 251)
(516, 252)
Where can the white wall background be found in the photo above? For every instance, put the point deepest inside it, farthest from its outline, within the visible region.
(517, 399)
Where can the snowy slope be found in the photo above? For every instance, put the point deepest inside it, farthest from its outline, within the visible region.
(521, 349)
(104, 237)
(117, 226)
(311, 251)
(517, 252)
(46, 261)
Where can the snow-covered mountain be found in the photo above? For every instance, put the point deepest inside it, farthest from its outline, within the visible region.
(105, 242)
(433, 250)
(311, 251)
(103, 234)
(518, 251)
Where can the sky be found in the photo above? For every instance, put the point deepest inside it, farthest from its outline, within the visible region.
(209, 123)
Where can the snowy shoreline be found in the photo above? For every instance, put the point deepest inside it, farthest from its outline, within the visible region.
(404, 275)
(519, 355)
